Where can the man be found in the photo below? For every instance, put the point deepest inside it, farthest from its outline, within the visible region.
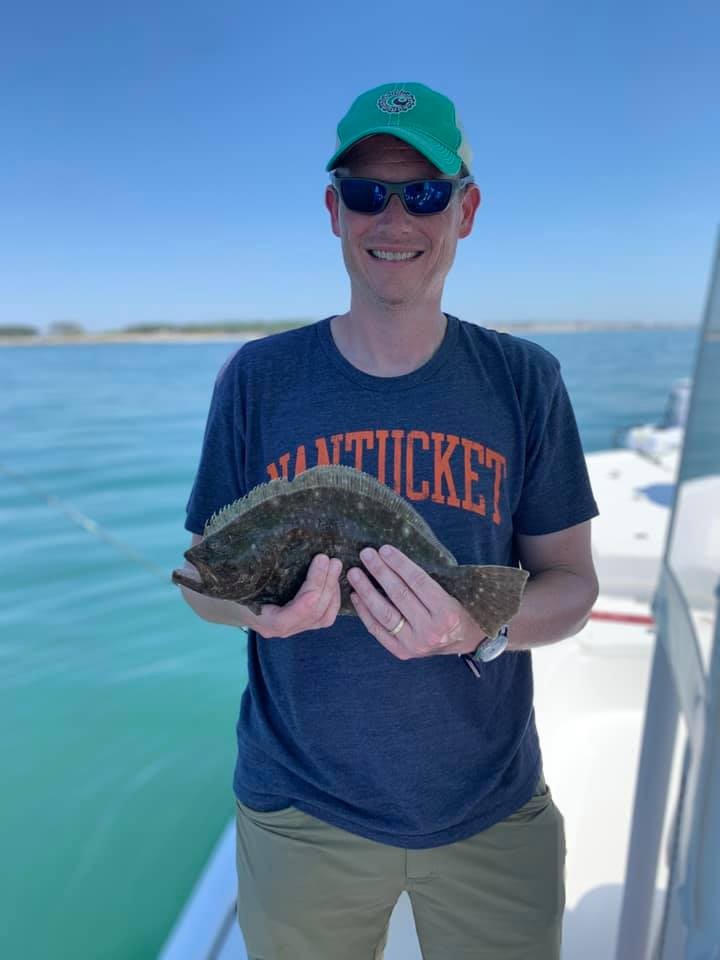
(397, 750)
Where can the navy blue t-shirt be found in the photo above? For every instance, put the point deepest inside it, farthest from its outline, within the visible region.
(482, 441)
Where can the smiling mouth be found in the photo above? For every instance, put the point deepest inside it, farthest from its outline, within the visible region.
(394, 255)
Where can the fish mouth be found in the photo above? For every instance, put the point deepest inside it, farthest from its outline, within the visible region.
(209, 585)
(183, 580)
(204, 581)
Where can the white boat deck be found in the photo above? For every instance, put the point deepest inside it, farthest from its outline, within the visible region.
(634, 496)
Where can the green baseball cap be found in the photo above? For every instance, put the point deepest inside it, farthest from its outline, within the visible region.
(412, 112)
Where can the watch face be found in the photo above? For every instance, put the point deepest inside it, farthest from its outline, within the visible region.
(492, 647)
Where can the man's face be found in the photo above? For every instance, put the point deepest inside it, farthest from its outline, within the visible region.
(415, 281)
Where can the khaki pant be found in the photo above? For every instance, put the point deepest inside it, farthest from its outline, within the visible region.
(311, 891)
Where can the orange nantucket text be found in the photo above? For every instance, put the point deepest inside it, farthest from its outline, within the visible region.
(462, 473)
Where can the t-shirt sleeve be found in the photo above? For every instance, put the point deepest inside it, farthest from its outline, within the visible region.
(556, 491)
(218, 480)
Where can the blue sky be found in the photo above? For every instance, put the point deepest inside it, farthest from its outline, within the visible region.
(164, 162)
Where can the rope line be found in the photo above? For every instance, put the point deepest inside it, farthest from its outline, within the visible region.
(86, 523)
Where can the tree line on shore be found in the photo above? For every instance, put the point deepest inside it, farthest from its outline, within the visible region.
(67, 328)
(71, 330)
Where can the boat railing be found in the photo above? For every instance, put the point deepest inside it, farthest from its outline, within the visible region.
(684, 687)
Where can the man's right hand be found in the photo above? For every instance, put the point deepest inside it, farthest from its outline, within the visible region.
(314, 606)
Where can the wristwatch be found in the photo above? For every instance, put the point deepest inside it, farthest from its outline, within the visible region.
(488, 649)
(491, 647)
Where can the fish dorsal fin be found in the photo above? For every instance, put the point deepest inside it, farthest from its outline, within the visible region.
(263, 491)
(336, 476)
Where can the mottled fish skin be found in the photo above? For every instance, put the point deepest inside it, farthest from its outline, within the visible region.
(258, 549)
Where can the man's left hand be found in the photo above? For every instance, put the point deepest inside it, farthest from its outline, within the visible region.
(430, 621)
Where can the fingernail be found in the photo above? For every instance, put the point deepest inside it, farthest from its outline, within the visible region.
(386, 550)
(367, 555)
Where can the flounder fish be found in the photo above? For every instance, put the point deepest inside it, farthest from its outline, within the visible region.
(258, 549)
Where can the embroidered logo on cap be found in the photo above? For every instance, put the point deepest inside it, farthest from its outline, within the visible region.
(396, 101)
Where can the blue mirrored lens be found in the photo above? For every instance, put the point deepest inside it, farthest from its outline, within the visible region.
(428, 196)
(363, 196)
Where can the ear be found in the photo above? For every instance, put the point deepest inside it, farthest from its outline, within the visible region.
(332, 202)
(470, 204)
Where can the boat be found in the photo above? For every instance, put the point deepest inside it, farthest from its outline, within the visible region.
(629, 778)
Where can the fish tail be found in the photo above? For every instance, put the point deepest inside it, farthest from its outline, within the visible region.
(490, 594)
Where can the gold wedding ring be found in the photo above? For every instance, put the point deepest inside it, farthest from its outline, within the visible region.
(396, 629)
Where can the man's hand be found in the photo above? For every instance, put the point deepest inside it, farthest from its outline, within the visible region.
(314, 606)
(431, 620)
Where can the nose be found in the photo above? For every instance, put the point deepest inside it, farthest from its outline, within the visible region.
(394, 210)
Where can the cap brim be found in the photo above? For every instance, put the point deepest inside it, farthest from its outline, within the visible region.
(445, 160)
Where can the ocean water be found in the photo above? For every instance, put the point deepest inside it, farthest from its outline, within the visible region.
(117, 704)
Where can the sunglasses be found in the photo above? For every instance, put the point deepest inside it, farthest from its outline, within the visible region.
(421, 198)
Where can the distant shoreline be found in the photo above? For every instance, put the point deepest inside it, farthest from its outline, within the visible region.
(178, 336)
(40, 340)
